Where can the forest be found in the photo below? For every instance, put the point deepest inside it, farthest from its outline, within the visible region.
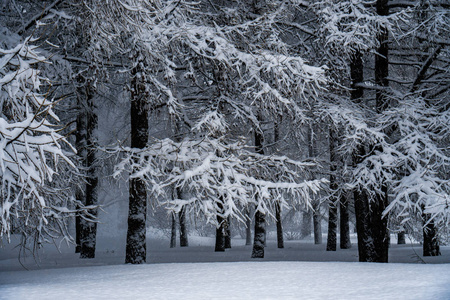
(238, 117)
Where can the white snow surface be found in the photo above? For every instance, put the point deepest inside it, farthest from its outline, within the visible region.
(236, 280)
(301, 270)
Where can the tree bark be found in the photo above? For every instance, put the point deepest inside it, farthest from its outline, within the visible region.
(280, 239)
(183, 228)
(359, 197)
(332, 208)
(80, 144)
(317, 217)
(345, 242)
(430, 237)
(317, 224)
(306, 229)
(88, 230)
(220, 230)
(173, 233)
(228, 233)
(248, 229)
(401, 238)
(260, 221)
(220, 236)
(136, 250)
(260, 233)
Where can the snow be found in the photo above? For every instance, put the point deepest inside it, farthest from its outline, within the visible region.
(238, 280)
(300, 270)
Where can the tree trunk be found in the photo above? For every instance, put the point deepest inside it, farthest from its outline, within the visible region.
(317, 217)
(173, 233)
(136, 249)
(183, 228)
(280, 239)
(430, 237)
(345, 242)
(80, 144)
(220, 235)
(88, 230)
(317, 223)
(401, 238)
(260, 233)
(228, 233)
(260, 222)
(248, 229)
(332, 227)
(332, 208)
(306, 224)
(220, 230)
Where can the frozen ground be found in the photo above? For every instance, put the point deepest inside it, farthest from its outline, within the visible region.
(300, 271)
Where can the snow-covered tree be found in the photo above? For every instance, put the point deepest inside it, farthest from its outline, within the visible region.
(32, 156)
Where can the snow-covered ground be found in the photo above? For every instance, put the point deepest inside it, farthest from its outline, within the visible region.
(237, 280)
(300, 271)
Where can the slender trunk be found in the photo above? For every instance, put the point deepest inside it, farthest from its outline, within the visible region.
(317, 223)
(401, 238)
(332, 227)
(345, 242)
(136, 250)
(228, 233)
(88, 230)
(260, 233)
(183, 228)
(332, 208)
(360, 199)
(220, 235)
(317, 217)
(80, 143)
(377, 207)
(280, 239)
(430, 237)
(173, 234)
(260, 219)
(248, 229)
(220, 230)
(306, 224)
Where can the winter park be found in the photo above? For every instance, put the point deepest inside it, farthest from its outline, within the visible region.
(225, 149)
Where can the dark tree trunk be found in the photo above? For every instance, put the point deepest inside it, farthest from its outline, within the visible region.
(317, 217)
(430, 237)
(220, 235)
(248, 229)
(260, 219)
(228, 234)
(80, 144)
(360, 199)
(401, 238)
(88, 230)
(173, 233)
(332, 208)
(280, 239)
(345, 242)
(136, 250)
(220, 230)
(306, 229)
(332, 227)
(260, 233)
(317, 223)
(183, 228)
(373, 239)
